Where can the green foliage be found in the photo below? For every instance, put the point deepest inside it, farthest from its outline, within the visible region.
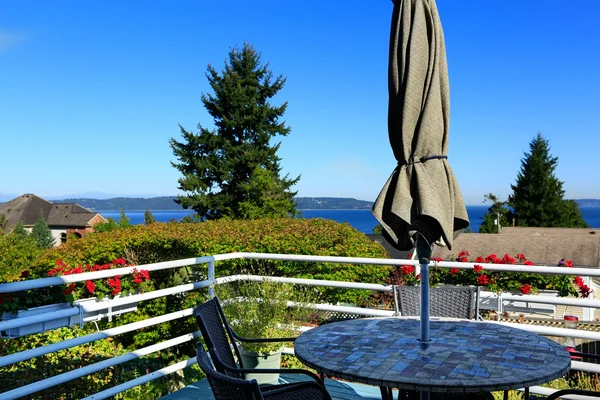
(19, 230)
(163, 242)
(498, 208)
(260, 310)
(17, 254)
(224, 170)
(148, 217)
(3, 221)
(266, 198)
(42, 234)
(108, 226)
(123, 220)
(537, 198)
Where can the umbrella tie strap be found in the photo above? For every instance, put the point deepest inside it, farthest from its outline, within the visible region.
(421, 159)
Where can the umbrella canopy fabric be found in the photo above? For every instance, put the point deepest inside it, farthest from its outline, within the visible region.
(422, 194)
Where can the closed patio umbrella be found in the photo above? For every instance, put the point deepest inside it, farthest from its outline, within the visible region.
(421, 201)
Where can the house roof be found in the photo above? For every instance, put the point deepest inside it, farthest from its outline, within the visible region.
(537, 244)
(532, 231)
(70, 214)
(26, 208)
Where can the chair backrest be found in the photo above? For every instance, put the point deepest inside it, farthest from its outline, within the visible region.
(219, 338)
(225, 387)
(453, 302)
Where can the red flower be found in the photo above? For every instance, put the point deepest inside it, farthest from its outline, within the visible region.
(507, 259)
(521, 257)
(454, 271)
(569, 263)
(525, 289)
(529, 263)
(480, 259)
(70, 289)
(407, 269)
(90, 286)
(464, 253)
(120, 261)
(115, 283)
(419, 277)
(437, 259)
(477, 268)
(492, 258)
(483, 280)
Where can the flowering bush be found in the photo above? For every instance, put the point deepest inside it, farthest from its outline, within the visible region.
(522, 282)
(137, 282)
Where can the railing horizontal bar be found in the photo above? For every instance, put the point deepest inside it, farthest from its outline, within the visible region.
(143, 379)
(585, 366)
(93, 306)
(567, 301)
(34, 319)
(40, 351)
(90, 369)
(546, 270)
(60, 280)
(308, 282)
(552, 331)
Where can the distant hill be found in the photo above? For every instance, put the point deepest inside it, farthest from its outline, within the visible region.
(588, 202)
(126, 203)
(332, 203)
(168, 203)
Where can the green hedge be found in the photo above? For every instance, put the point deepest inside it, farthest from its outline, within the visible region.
(170, 241)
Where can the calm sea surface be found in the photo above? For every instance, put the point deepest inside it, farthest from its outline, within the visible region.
(362, 220)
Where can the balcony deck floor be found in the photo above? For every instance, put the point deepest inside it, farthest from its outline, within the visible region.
(338, 390)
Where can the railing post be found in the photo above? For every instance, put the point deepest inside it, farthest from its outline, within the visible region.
(211, 277)
(396, 303)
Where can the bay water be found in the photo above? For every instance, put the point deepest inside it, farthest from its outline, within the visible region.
(361, 220)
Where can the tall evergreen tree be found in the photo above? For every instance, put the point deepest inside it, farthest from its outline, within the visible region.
(42, 233)
(19, 230)
(123, 220)
(496, 215)
(537, 198)
(148, 217)
(219, 166)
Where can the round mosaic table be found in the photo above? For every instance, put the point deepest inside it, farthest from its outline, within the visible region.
(463, 356)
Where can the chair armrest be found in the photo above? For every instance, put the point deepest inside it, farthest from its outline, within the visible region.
(560, 393)
(298, 390)
(261, 340)
(274, 371)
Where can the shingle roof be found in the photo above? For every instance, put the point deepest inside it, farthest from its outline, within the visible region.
(537, 246)
(26, 208)
(70, 214)
(549, 231)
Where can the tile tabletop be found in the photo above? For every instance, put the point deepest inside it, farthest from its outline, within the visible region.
(463, 356)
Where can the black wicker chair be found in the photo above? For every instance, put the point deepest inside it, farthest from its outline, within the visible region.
(221, 342)
(566, 392)
(453, 302)
(229, 388)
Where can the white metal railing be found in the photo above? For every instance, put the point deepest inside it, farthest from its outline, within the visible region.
(212, 281)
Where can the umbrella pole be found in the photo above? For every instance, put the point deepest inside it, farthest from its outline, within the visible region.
(424, 251)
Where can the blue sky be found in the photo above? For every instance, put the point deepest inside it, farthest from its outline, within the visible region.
(91, 92)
